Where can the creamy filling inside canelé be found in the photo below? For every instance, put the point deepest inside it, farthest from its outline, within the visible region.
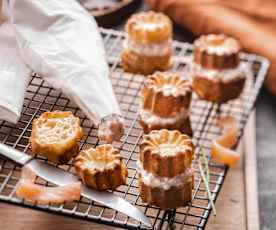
(226, 74)
(163, 182)
(151, 50)
(56, 130)
(152, 119)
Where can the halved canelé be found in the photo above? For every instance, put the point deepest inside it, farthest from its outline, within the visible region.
(216, 51)
(164, 103)
(56, 135)
(148, 44)
(218, 85)
(166, 153)
(173, 194)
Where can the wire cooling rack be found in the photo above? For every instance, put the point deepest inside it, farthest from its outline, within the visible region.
(41, 97)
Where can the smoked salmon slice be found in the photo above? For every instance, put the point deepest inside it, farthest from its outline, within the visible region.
(30, 191)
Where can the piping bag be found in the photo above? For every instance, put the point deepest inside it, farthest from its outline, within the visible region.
(61, 42)
(14, 76)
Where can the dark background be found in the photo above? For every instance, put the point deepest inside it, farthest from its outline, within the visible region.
(266, 142)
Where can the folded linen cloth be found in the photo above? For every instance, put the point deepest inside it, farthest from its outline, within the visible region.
(60, 41)
(14, 76)
(252, 22)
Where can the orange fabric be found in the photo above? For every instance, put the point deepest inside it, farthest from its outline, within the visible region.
(252, 22)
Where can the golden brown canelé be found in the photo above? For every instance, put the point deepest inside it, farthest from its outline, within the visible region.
(56, 135)
(148, 44)
(101, 168)
(149, 27)
(165, 172)
(218, 86)
(166, 153)
(216, 52)
(143, 64)
(165, 94)
(216, 71)
(164, 103)
(176, 196)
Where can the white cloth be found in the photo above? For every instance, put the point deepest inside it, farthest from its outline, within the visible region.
(14, 76)
(60, 41)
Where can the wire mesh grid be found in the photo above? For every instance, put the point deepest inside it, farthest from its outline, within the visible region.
(41, 97)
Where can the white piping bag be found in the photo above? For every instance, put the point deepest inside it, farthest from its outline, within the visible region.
(61, 42)
(14, 76)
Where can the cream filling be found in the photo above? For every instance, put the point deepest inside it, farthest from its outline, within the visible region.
(150, 118)
(56, 130)
(226, 74)
(151, 50)
(163, 182)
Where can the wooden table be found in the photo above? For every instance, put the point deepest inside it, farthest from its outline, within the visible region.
(238, 194)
